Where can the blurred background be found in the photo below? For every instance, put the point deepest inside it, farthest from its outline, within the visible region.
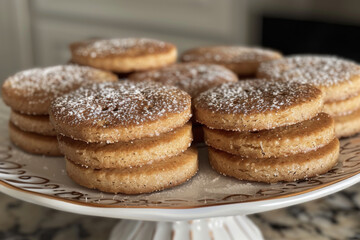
(38, 32)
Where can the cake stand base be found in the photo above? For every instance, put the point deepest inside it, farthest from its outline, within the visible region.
(220, 228)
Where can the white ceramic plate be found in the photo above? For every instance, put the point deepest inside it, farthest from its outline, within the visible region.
(43, 180)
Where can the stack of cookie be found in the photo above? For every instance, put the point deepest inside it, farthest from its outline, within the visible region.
(244, 61)
(124, 55)
(267, 131)
(193, 78)
(339, 79)
(29, 94)
(126, 137)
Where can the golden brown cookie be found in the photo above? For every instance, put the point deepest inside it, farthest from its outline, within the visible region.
(124, 55)
(337, 78)
(291, 168)
(127, 154)
(347, 125)
(253, 105)
(193, 78)
(149, 178)
(342, 107)
(34, 143)
(122, 111)
(278, 142)
(244, 61)
(31, 91)
(39, 124)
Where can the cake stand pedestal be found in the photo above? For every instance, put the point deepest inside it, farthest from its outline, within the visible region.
(218, 228)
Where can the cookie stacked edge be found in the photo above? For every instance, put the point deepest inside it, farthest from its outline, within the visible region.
(126, 137)
(267, 131)
(29, 94)
(338, 78)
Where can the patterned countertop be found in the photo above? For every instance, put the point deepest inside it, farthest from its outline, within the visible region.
(334, 217)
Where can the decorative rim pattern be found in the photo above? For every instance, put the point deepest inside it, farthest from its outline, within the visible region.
(15, 174)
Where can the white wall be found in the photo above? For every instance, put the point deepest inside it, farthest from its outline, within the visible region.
(37, 32)
(15, 38)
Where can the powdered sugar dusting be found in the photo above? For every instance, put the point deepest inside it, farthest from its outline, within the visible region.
(120, 46)
(193, 78)
(122, 103)
(255, 96)
(229, 54)
(43, 84)
(312, 69)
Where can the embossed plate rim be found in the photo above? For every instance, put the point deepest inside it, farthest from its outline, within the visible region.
(175, 214)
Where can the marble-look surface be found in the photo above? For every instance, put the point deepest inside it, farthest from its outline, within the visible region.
(334, 217)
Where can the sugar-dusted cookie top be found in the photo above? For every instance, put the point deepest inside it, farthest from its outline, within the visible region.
(124, 55)
(122, 111)
(257, 104)
(338, 78)
(241, 60)
(193, 78)
(31, 91)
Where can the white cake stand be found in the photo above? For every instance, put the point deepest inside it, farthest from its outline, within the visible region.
(209, 206)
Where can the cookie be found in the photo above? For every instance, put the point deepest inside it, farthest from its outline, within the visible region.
(127, 154)
(149, 178)
(39, 124)
(193, 78)
(337, 78)
(124, 55)
(31, 91)
(120, 112)
(278, 142)
(244, 61)
(257, 104)
(347, 125)
(342, 107)
(269, 170)
(34, 143)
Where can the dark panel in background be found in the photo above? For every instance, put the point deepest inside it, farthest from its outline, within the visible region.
(298, 36)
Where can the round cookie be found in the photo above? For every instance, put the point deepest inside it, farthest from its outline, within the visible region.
(149, 178)
(124, 55)
(39, 124)
(120, 112)
(342, 107)
(257, 104)
(34, 143)
(31, 91)
(127, 154)
(278, 142)
(244, 61)
(337, 78)
(270, 170)
(193, 78)
(347, 125)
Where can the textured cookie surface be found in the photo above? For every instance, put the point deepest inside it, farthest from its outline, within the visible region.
(278, 142)
(124, 55)
(39, 124)
(347, 125)
(252, 105)
(241, 60)
(193, 78)
(127, 154)
(342, 107)
(338, 78)
(122, 111)
(291, 168)
(34, 143)
(149, 178)
(31, 91)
